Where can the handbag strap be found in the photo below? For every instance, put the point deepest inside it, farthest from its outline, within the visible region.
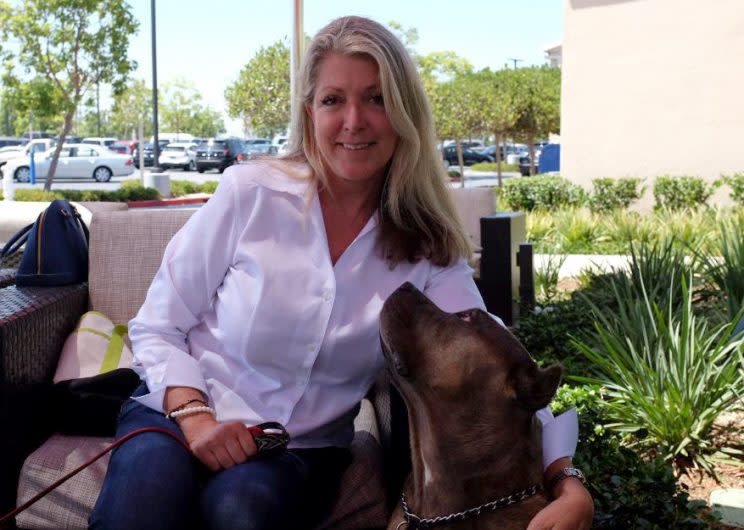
(16, 242)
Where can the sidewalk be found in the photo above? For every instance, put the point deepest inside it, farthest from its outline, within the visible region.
(574, 264)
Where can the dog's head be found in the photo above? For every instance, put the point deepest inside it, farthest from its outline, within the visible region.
(459, 356)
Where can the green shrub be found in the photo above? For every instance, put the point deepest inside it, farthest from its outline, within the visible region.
(629, 491)
(135, 193)
(493, 167)
(209, 186)
(577, 231)
(35, 195)
(736, 183)
(668, 375)
(612, 194)
(179, 188)
(546, 333)
(546, 278)
(541, 192)
(676, 193)
(723, 266)
(131, 183)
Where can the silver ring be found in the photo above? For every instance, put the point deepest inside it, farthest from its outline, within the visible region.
(400, 525)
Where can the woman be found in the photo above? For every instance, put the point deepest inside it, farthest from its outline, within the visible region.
(266, 305)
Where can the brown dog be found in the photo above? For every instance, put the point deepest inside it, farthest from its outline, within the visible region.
(472, 391)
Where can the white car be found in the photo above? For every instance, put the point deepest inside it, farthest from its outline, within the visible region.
(75, 161)
(179, 154)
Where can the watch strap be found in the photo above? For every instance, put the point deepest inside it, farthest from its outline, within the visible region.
(564, 473)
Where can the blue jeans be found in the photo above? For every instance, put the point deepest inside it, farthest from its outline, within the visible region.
(152, 482)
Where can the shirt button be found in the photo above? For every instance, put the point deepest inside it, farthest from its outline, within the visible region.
(327, 295)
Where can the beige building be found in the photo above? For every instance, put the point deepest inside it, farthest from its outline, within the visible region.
(652, 87)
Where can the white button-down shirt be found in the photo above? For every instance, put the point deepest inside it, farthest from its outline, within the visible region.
(248, 308)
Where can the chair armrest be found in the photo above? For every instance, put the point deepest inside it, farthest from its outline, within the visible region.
(392, 421)
(7, 277)
(34, 323)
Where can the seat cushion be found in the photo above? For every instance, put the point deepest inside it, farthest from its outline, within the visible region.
(360, 503)
(126, 249)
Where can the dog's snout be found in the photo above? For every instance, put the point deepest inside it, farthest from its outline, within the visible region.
(407, 287)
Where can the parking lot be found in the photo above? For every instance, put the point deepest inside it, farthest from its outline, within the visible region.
(472, 179)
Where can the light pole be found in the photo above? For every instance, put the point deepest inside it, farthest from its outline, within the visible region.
(155, 144)
(515, 61)
(298, 44)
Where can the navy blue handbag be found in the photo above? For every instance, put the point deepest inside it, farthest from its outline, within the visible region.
(56, 250)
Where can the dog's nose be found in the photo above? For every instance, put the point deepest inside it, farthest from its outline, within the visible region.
(408, 286)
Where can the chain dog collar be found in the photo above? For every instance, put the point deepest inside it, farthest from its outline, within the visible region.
(414, 521)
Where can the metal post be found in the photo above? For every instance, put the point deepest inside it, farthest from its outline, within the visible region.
(156, 145)
(298, 44)
(501, 235)
(98, 109)
(526, 277)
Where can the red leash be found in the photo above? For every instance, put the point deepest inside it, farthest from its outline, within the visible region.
(268, 437)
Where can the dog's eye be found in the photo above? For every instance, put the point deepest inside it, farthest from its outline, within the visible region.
(467, 316)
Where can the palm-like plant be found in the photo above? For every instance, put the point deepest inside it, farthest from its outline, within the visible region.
(723, 267)
(668, 376)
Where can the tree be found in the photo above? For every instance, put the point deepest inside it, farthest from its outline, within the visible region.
(409, 37)
(537, 103)
(260, 96)
(34, 104)
(132, 106)
(438, 67)
(72, 45)
(455, 116)
(206, 122)
(183, 110)
(496, 98)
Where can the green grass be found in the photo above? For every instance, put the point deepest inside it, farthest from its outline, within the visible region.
(491, 166)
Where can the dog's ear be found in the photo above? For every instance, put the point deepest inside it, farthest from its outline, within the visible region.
(535, 387)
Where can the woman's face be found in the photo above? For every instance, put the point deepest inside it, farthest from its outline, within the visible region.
(352, 131)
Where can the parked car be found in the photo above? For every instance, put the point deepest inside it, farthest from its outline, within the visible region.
(11, 140)
(147, 153)
(218, 154)
(253, 141)
(37, 146)
(98, 140)
(123, 148)
(476, 145)
(253, 151)
(75, 160)
(469, 156)
(510, 150)
(179, 154)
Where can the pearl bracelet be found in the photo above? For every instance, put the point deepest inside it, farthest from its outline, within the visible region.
(188, 411)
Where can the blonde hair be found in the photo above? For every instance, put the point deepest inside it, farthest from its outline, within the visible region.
(417, 217)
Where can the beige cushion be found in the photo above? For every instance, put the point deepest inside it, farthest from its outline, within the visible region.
(472, 204)
(360, 503)
(68, 506)
(126, 249)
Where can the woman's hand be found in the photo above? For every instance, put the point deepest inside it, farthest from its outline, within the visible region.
(572, 509)
(217, 445)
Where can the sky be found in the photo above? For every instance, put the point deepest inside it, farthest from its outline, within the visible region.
(208, 42)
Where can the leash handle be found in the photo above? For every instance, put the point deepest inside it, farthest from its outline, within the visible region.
(269, 436)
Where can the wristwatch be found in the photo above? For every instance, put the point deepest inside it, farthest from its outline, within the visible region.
(564, 473)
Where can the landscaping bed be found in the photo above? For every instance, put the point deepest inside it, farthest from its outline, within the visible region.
(651, 361)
